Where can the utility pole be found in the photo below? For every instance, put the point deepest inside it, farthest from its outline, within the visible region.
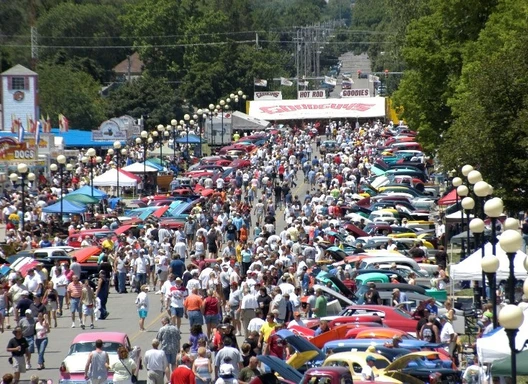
(34, 34)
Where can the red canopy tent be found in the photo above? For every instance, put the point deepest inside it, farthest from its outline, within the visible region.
(450, 198)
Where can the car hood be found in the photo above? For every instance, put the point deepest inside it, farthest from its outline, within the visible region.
(302, 347)
(77, 362)
(284, 370)
(298, 359)
(402, 362)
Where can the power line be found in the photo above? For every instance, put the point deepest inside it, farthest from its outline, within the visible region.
(131, 46)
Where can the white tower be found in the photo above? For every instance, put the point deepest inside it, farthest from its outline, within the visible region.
(19, 96)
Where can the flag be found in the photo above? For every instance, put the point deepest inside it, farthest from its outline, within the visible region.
(261, 83)
(303, 83)
(330, 80)
(31, 125)
(37, 133)
(48, 125)
(63, 123)
(14, 122)
(20, 132)
(373, 79)
(286, 82)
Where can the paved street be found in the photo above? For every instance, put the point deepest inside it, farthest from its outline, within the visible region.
(123, 317)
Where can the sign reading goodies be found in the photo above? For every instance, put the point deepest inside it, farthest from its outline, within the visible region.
(355, 93)
(10, 149)
(315, 94)
(268, 95)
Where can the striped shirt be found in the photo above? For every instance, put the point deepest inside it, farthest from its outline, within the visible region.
(75, 290)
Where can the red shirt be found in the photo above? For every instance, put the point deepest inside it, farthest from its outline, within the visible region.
(183, 375)
(276, 346)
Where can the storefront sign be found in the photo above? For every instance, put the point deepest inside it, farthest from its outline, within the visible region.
(10, 149)
(355, 93)
(316, 94)
(268, 95)
(109, 130)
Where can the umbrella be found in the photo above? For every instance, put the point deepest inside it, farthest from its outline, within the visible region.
(81, 198)
(503, 367)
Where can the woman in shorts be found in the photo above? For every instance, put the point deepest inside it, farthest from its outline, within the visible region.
(211, 311)
(142, 304)
(50, 299)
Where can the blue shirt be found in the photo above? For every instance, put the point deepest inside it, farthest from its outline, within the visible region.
(177, 266)
(238, 221)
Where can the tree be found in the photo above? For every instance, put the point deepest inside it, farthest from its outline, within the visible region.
(72, 93)
(490, 106)
(69, 27)
(152, 98)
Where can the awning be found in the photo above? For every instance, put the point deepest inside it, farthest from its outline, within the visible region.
(450, 198)
(139, 168)
(353, 108)
(244, 122)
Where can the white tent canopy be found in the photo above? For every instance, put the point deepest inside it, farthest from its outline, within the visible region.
(139, 168)
(470, 268)
(109, 179)
(352, 108)
(496, 346)
(241, 121)
(457, 215)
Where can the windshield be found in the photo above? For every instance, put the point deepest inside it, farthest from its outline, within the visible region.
(90, 346)
(402, 313)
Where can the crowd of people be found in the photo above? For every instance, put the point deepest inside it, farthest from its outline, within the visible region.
(238, 269)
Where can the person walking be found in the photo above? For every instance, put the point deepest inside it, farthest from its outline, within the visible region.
(102, 291)
(73, 297)
(18, 347)
(42, 328)
(202, 367)
(169, 337)
(88, 304)
(142, 304)
(211, 310)
(120, 269)
(183, 374)
(248, 305)
(97, 365)
(320, 303)
(193, 308)
(124, 368)
(27, 323)
(156, 364)
(50, 299)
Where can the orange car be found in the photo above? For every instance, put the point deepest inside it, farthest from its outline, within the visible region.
(382, 333)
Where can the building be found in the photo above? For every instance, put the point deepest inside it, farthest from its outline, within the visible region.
(19, 96)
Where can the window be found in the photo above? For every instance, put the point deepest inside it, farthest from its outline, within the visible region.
(357, 368)
(18, 83)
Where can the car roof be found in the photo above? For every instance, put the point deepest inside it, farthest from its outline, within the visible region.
(114, 337)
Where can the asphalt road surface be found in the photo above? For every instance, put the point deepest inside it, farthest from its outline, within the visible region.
(123, 318)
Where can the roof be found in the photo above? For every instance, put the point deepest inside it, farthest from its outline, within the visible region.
(136, 65)
(19, 70)
(73, 138)
(113, 337)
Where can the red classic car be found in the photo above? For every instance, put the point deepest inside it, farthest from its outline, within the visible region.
(391, 317)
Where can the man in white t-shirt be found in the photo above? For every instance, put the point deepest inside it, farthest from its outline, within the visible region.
(220, 183)
(33, 282)
(447, 334)
(141, 266)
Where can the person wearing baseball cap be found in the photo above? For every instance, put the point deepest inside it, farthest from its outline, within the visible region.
(183, 373)
(367, 373)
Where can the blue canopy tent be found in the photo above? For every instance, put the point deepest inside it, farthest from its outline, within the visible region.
(87, 190)
(67, 207)
(191, 139)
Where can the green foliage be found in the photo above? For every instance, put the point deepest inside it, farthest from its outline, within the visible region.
(86, 25)
(152, 98)
(72, 93)
(490, 106)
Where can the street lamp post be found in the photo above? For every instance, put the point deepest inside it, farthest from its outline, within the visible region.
(144, 140)
(61, 161)
(174, 123)
(23, 170)
(187, 117)
(468, 204)
(91, 158)
(477, 227)
(511, 241)
(490, 265)
(462, 191)
(493, 209)
(211, 110)
(511, 318)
